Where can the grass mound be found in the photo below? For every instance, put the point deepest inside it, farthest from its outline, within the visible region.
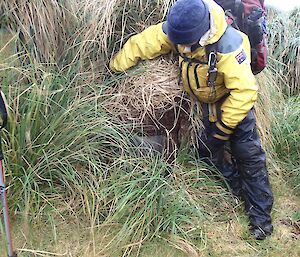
(151, 101)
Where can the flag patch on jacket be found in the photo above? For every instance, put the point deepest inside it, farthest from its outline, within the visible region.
(241, 57)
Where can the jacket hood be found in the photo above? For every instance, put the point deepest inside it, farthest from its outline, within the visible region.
(218, 23)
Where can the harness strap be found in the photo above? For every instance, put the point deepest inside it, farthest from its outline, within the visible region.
(237, 6)
(180, 72)
(231, 19)
(191, 60)
(196, 76)
(211, 54)
(212, 112)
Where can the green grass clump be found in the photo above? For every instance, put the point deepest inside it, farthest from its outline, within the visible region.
(286, 139)
(66, 157)
(148, 199)
(58, 138)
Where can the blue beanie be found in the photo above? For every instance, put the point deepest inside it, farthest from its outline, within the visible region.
(187, 21)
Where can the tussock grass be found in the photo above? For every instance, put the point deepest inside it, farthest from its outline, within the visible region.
(72, 31)
(148, 205)
(43, 26)
(270, 98)
(286, 133)
(66, 155)
(148, 94)
(54, 141)
(151, 100)
(284, 49)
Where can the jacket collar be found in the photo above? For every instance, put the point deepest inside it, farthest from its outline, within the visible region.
(218, 23)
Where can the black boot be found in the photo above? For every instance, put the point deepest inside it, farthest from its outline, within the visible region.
(260, 233)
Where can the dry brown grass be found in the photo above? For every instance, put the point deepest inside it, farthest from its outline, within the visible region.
(78, 30)
(284, 49)
(44, 25)
(270, 95)
(147, 95)
(154, 103)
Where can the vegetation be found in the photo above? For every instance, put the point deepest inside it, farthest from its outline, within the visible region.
(284, 41)
(286, 132)
(74, 161)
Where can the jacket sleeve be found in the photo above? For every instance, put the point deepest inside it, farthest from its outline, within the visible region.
(240, 81)
(149, 44)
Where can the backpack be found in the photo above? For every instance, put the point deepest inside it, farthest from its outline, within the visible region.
(249, 16)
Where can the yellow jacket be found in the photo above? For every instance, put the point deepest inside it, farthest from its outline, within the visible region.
(234, 79)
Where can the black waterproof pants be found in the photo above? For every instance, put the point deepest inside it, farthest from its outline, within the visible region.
(247, 174)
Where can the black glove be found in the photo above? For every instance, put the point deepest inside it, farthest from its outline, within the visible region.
(213, 141)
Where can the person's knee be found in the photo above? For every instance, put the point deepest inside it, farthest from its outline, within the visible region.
(249, 154)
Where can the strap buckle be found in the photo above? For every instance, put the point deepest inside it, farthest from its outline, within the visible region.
(212, 69)
(211, 77)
